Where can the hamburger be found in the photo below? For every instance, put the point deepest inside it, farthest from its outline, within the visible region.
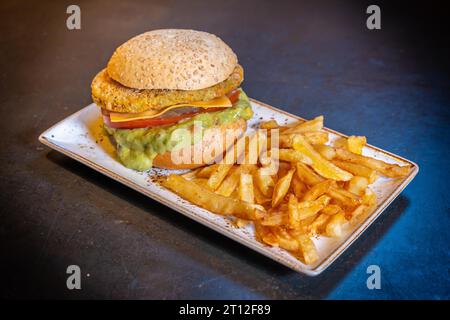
(164, 82)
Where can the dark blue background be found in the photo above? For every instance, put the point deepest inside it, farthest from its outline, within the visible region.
(307, 57)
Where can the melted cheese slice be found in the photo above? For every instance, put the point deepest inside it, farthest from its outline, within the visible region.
(221, 102)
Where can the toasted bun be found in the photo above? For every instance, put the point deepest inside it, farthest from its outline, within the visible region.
(211, 139)
(174, 59)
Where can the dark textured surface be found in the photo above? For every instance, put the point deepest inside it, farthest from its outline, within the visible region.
(309, 58)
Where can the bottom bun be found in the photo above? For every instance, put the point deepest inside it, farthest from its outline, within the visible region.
(215, 142)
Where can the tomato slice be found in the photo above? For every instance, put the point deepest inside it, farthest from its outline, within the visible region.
(233, 96)
(153, 122)
(163, 120)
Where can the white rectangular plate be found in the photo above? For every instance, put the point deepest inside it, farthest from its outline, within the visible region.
(80, 136)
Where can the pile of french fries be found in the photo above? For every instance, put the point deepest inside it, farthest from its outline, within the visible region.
(318, 188)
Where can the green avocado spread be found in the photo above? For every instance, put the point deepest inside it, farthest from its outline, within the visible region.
(137, 148)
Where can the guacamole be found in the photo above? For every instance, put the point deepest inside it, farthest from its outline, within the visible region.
(137, 148)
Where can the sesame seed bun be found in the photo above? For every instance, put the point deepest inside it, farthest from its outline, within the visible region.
(173, 59)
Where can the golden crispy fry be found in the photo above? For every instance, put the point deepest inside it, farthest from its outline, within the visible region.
(201, 182)
(308, 249)
(283, 169)
(331, 209)
(325, 151)
(307, 175)
(369, 198)
(309, 209)
(241, 222)
(318, 189)
(260, 198)
(317, 227)
(357, 170)
(281, 188)
(264, 182)
(322, 166)
(265, 234)
(359, 213)
(211, 201)
(355, 144)
(357, 185)
(275, 218)
(316, 137)
(344, 198)
(271, 124)
(298, 187)
(294, 214)
(246, 188)
(291, 155)
(335, 225)
(231, 182)
(313, 137)
(312, 125)
(219, 173)
(386, 169)
(191, 174)
(340, 143)
(285, 240)
(205, 172)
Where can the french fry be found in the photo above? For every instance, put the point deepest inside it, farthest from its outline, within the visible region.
(206, 172)
(316, 137)
(308, 249)
(294, 214)
(191, 174)
(200, 181)
(281, 188)
(211, 201)
(318, 225)
(357, 185)
(344, 198)
(265, 235)
(355, 144)
(231, 182)
(283, 169)
(317, 190)
(264, 182)
(359, 213)
(312, 125)
(260, 198)
(275, 218)
(246, 188)
(285, 240)
(340, 143)
(369, 198)
(325, 151)
(240, 223)
(386, 169)
(307, 175)
(322, 166)
(219, 173)
(357, 170)
(271, 124)
(291, 155)
(335, 225)
(298, 187)
(313, 137)
(331, 209)
(309, 209)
